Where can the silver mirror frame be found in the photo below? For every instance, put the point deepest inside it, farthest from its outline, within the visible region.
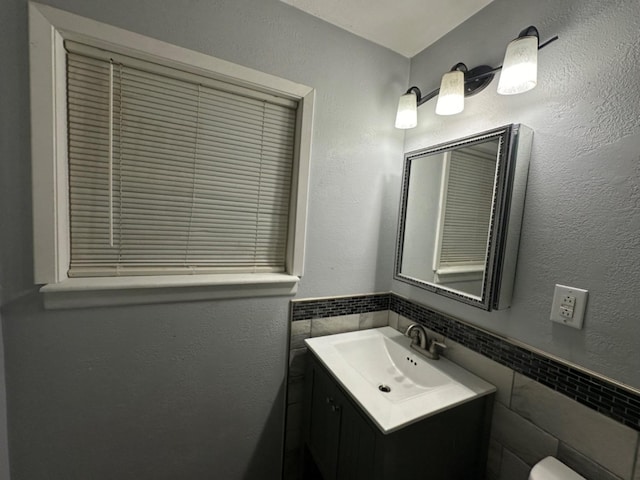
(512, 169)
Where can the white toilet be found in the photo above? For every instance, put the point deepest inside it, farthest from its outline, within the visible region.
(551, 468)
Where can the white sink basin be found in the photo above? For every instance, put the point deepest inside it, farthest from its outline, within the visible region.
(394, 385)
(382, 360)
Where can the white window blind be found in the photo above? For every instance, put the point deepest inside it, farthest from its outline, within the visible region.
(469, 195)
(173, 173)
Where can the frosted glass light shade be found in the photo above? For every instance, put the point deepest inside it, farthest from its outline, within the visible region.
(520, 67)
(407, 116)
(451, 96)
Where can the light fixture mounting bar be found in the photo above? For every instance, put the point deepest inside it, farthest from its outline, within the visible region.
(551, 40)
(475, 80)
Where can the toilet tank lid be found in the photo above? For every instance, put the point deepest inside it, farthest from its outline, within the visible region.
(551, 468)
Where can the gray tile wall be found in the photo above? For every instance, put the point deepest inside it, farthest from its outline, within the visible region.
(530, 420)
(611, 399)
(599, 438)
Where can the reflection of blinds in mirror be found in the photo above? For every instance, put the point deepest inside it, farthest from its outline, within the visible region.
(199, 180)
(467, 207)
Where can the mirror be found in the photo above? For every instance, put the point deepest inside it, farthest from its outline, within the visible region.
(460, 216)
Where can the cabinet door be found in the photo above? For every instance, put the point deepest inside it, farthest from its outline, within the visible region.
(341, 441)
(324, 423)
(357, 446)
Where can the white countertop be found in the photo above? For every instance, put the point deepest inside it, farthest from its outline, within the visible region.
(420, 387)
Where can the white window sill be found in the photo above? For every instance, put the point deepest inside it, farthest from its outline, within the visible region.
(461, 273)
(112, 291)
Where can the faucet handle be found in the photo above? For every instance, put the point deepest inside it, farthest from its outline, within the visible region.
(435, 348)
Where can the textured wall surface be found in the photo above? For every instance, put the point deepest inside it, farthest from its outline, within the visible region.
(194, 390)
(183, 391)
(582, 211)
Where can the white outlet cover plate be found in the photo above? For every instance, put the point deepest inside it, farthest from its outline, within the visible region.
(578, 309)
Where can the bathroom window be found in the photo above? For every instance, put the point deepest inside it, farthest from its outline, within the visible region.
(171, 173)
(160, 166)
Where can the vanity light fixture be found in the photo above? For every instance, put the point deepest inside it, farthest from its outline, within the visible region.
(519, 74)
(451, 97)
(520, 67)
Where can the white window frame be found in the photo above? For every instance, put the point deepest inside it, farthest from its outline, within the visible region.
(48, 28)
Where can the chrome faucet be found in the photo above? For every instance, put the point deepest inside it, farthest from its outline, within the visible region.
(420, 339)
(420, 342)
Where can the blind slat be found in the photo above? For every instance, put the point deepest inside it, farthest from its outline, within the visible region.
(469, 196)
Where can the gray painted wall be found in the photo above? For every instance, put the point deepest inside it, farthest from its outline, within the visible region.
(582, 211)
(194, 390)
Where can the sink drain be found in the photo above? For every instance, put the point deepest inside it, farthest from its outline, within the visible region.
(384, 388)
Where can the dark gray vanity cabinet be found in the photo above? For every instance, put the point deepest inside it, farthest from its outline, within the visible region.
(341, 442)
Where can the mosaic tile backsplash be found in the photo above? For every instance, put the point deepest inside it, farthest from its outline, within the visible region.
(619, 403)
(338, 306)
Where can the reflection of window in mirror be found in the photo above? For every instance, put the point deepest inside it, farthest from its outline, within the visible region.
(466, 196)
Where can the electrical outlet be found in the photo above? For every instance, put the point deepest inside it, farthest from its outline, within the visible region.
(566, 312)
(568, 306)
